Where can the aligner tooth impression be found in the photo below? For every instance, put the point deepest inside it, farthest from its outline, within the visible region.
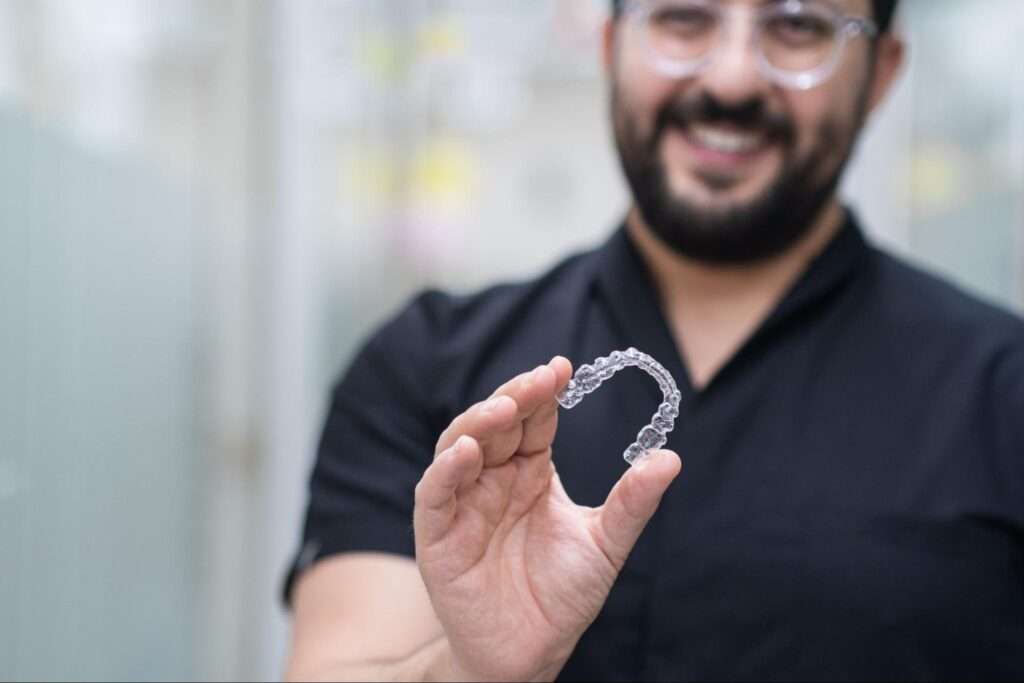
(589, 378)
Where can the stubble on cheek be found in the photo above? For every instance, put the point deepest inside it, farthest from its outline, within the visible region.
(693, 209)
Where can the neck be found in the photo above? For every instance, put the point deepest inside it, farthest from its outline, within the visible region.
(712, 308)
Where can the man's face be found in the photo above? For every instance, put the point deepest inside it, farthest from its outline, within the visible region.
(727, 166)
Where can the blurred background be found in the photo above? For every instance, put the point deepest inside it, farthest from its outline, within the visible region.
(205, 205)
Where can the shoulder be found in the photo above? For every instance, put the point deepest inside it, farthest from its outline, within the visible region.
(927, 304)
(440, 339)
(446, 313)
(946, 332)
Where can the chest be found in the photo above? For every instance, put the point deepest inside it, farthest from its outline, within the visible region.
(819, 525)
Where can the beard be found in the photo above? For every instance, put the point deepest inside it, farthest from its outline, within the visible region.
(737, 233)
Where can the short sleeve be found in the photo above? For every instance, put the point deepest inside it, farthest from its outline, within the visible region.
(378, 439)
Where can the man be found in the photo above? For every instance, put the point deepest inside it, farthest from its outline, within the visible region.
(853, 499)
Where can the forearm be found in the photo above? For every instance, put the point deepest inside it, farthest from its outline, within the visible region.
(432, 662)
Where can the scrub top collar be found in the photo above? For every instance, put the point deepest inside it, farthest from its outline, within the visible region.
(628, 286)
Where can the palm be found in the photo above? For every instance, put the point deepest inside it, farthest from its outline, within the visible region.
(515, 570)
(520, 567)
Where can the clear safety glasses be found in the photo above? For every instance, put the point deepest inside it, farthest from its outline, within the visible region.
(798, 43)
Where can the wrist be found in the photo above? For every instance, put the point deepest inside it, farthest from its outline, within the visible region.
(439, 663)
(450, 667)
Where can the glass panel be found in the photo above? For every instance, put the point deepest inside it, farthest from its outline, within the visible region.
(107, 226)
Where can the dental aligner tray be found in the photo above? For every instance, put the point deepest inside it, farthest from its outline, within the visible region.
(589, 378)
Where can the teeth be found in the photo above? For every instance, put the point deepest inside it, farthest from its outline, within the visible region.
(728, 142)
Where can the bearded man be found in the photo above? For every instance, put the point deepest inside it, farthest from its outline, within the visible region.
(852, 505)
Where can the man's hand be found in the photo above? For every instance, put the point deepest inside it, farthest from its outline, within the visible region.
(515, 570)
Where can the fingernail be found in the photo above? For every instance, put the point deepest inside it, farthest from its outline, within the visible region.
(460, 445)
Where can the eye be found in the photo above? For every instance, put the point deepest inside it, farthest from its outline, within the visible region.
(800, 29)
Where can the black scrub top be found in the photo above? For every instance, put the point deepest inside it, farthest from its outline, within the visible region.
(851, 504)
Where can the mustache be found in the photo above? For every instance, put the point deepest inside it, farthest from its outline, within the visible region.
(702, 107)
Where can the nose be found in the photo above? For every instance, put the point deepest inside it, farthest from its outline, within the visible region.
(734, 77)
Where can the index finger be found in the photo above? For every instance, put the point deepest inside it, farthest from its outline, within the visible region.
(539, 427)
(517, 387)
(498, 423)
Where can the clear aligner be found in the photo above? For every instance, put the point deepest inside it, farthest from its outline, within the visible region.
(589, 377)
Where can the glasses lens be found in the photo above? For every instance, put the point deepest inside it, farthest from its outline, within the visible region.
(798, 38)
(682, 31)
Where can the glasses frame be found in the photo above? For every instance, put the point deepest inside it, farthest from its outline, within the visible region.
(847, 28)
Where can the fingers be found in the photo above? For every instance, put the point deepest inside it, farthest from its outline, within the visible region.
(632, 503)
(457, 466)
(560, 367)
(539, 428)
(484, 422)
(519, 417)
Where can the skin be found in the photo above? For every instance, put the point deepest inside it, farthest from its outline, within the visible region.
(509, 572)
(725, 302)
(734, 79)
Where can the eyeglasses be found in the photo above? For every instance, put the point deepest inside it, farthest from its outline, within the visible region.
(798, 43)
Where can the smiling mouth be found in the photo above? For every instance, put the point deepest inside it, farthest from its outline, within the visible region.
(726, 141)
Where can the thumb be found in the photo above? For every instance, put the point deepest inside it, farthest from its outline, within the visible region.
(632, 503)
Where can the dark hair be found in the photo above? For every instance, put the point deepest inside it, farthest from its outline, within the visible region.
(884, 10)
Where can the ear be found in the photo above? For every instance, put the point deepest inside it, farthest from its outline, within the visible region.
(608, 44)
(890, 55)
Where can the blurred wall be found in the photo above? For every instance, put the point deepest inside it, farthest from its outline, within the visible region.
(206, 205)
(97, 412)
